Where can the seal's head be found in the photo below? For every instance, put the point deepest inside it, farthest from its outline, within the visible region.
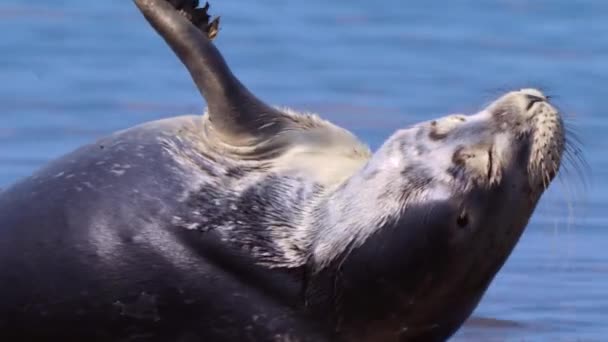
(520, 135)
(455, 195)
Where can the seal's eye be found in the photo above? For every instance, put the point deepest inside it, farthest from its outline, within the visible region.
(462, 220)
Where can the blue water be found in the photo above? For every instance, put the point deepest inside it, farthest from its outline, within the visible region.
(72, 71)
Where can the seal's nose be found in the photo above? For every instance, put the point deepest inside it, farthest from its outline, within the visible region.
(518, 106)
(532, 99)
(532, 96)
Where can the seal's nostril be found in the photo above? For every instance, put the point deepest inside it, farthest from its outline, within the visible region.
(532, 99)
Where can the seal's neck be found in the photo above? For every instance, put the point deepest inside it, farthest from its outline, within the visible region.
(371, 198)
(365, 246)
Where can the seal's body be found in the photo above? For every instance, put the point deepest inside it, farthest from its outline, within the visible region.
(92, 247)
(255, 223)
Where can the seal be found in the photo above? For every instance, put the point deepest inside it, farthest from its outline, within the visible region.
(259, 223)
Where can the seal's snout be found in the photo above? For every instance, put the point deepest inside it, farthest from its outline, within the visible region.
(518, 105)
(535, 128)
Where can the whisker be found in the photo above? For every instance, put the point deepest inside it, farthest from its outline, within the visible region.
(578, 162)
(573, 160)
(572, 136)
(574, 156)
(568, 116)
(567, 196)
(544, 173)
(571, 171)
(427, 215)
(572, 194)
(573, 167)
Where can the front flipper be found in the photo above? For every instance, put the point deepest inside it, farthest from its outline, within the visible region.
(235, 113)
(198, 16)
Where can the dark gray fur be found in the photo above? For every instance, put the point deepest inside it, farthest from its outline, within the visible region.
(87, 254)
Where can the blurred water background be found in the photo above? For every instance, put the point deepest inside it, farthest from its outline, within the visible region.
(73, 71)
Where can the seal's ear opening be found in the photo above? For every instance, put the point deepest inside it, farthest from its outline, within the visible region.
(463, 219)
(234, 112)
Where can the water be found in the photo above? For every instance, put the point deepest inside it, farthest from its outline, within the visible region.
(72, 71)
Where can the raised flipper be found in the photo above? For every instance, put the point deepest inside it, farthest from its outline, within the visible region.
(198, 16)
(235, 113)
